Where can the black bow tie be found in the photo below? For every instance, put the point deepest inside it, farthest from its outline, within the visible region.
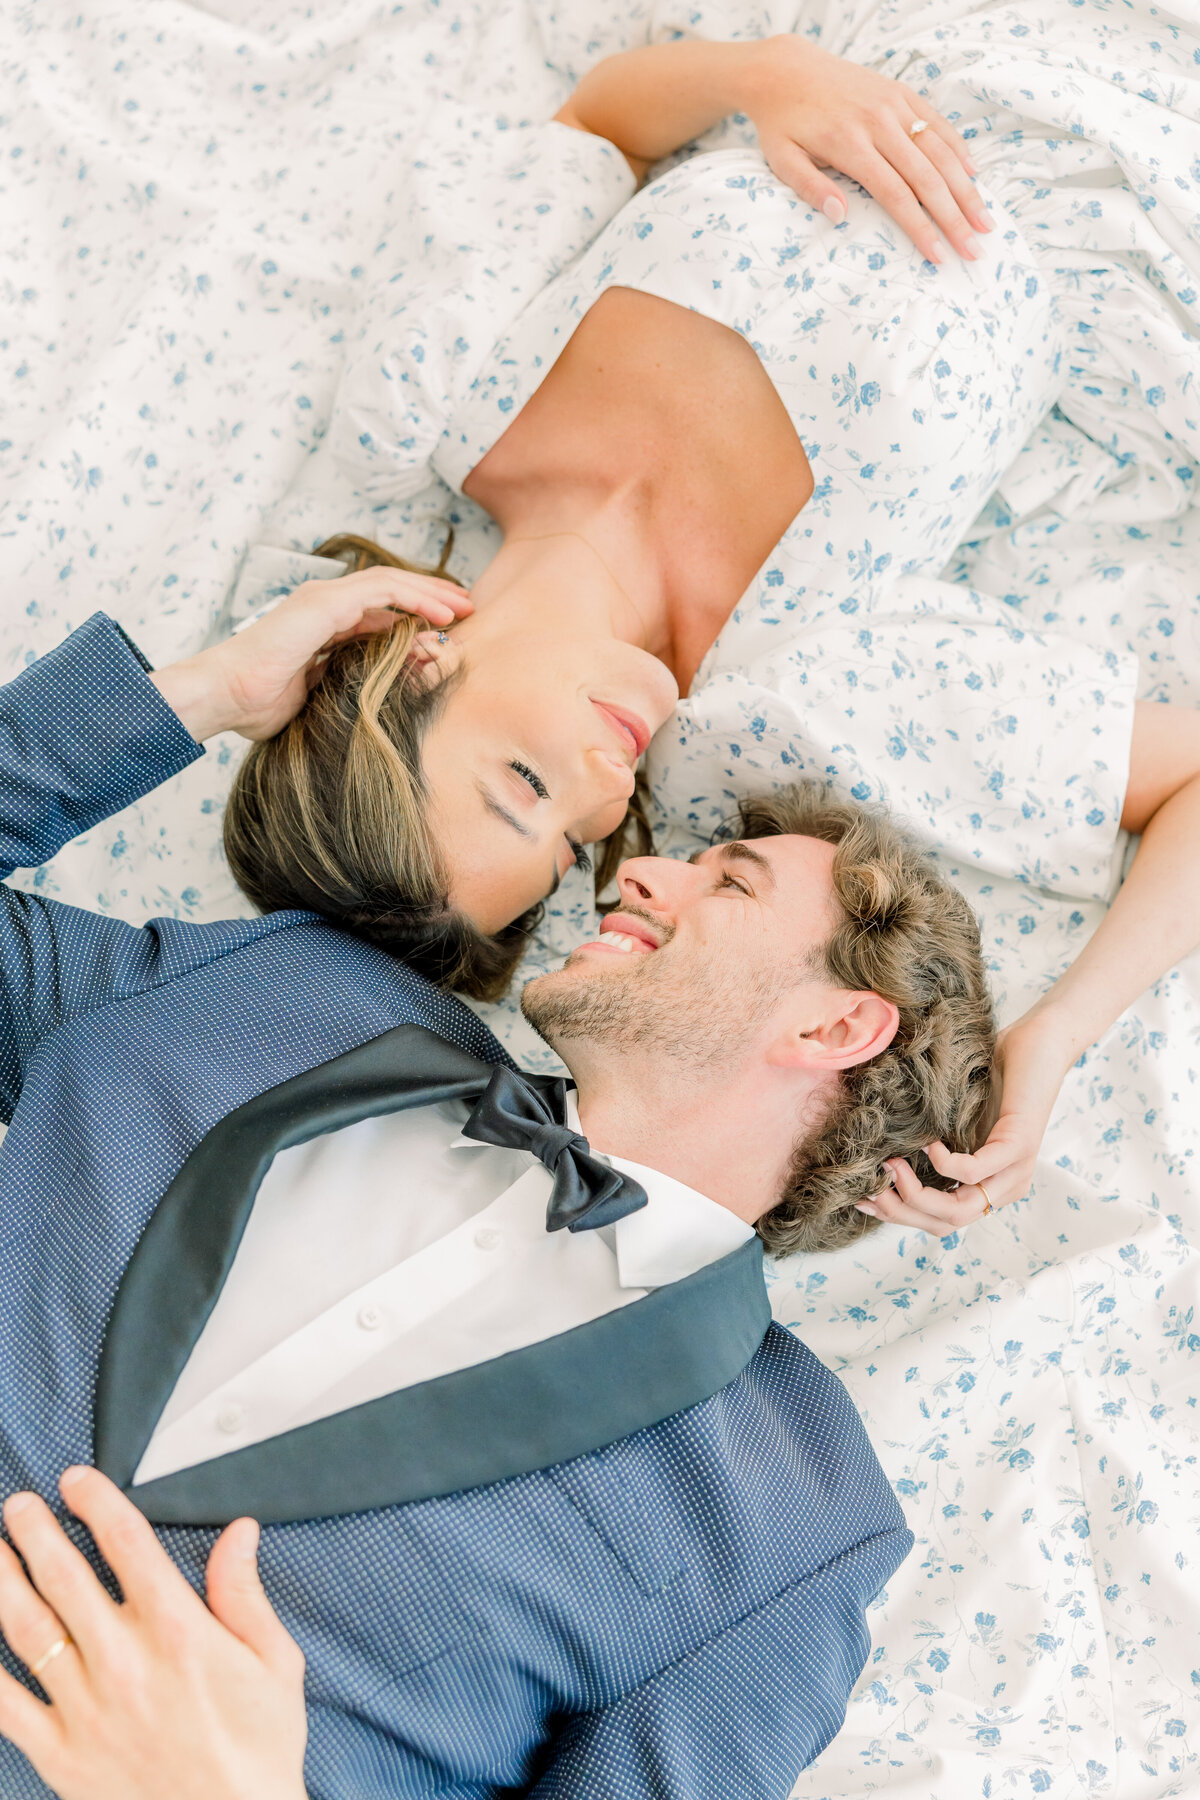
(515, 1115)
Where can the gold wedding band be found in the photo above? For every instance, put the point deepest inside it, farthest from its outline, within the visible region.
(56, 1649)
(987, 1205)
(917, 127)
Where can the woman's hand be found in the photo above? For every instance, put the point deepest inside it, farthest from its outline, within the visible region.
(257, 680)
(814, 111)
(1032, 1058)
(160, 1698)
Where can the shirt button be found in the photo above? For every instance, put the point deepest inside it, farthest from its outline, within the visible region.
(488, 1238)
(369, 1317)
(230, 1419)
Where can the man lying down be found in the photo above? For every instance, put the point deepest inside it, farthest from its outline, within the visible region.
(548, 1503)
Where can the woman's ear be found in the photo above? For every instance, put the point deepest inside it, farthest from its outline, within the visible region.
(434, 653)
(847, 1029)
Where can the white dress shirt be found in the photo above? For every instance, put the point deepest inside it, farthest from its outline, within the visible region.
(397, 1250)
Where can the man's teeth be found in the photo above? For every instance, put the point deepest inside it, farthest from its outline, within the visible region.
(621, 941)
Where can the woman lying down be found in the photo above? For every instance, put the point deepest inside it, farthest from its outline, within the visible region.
(448, 767)
(729, 448)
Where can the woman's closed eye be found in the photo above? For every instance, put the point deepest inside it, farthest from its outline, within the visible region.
(533, 780)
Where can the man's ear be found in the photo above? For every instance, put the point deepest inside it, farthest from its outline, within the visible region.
(850, 1028)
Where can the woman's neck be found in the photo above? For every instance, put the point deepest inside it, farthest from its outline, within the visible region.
(658, 438)
(599, 573)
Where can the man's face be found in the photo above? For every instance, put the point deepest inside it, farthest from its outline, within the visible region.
(701, 954)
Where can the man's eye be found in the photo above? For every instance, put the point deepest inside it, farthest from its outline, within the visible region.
(733, 882)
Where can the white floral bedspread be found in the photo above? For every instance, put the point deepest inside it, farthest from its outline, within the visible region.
(193, 199)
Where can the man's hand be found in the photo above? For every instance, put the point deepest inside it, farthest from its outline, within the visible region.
(1032, 1059)
(160, 1698)
(814, 111)
(257, 680)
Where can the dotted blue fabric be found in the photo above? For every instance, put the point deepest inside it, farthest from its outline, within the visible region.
(678, 1615)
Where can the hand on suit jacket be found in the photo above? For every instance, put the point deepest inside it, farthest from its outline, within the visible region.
(258, 679)
(161, 1698)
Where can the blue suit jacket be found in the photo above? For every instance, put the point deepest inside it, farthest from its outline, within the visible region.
(632, 1561)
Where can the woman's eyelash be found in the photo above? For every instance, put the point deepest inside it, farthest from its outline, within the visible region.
(582, 859)
(533, 778)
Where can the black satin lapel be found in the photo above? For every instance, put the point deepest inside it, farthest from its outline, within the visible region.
(186, 1252)
(527, 1410)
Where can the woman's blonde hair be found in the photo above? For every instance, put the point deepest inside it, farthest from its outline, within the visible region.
(908, 935)
(331, 815)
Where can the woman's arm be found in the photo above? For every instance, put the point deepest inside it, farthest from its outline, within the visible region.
(650, 101)
(158, 1698)
(1153, 923)
(811, 111)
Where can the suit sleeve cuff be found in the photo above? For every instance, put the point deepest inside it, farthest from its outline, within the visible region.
(125, 638)
(84, 733)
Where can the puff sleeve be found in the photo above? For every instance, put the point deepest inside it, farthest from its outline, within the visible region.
(489, 217)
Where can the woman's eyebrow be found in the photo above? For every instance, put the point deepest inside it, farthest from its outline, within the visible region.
(493, 805)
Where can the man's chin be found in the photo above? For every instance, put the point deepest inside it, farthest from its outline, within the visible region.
(581, 969)
(563, 1000)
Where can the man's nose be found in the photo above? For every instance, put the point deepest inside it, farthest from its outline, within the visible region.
(658, 882)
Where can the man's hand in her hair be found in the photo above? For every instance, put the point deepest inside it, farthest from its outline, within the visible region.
(258, 679)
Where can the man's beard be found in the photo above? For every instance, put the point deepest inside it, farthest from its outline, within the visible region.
(696, 1013)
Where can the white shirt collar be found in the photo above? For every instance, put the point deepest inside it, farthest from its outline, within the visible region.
(677, 1233)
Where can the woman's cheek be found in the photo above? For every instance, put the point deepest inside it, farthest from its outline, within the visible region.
(607, 821)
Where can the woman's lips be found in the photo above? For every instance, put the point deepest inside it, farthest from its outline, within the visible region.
(632, 731)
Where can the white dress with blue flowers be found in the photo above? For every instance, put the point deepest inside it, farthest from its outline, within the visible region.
(200, 196)
(912, 388)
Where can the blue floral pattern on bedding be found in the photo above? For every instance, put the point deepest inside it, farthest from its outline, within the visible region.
(208, 205)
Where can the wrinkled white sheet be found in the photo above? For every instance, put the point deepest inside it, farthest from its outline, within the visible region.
(193, 199)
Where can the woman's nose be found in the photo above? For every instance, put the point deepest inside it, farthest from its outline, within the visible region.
(614, 775)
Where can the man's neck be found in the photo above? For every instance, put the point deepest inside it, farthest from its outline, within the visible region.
(729, 1136)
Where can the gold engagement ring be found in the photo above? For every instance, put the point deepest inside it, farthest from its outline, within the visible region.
(56, 1649)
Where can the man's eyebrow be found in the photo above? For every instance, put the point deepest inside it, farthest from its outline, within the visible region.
(739, 852)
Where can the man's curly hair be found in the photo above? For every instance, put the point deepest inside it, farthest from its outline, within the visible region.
(909, 936)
